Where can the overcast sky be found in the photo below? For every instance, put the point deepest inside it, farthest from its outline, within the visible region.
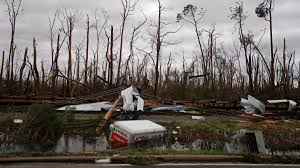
(33, 22)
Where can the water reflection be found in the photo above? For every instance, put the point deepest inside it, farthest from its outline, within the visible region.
(66, 144)
(79, 144)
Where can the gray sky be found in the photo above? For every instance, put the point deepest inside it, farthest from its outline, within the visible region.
(34, 23)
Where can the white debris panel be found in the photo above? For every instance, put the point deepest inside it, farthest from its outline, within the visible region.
(88, 107)
(252, 104)
(131, 99)
(292, 104)
(198, 118)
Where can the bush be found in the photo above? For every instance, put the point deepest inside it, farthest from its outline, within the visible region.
(42, 125)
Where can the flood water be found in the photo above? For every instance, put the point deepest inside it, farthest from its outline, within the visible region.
(66, 144)
(80, 144)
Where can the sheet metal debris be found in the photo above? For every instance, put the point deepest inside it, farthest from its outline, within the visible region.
(87, 107)
(131, 99)
(252, 105)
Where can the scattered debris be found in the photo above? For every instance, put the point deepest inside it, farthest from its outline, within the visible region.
(128, 133)
(252, 105)
(18, 121)
(198, 118)
(132, 100)
(103, 161)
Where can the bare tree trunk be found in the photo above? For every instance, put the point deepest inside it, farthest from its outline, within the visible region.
(12, 69)
(107, 61)
(27, 82)
(69, 76)
(284, 70)
(111, 56)
(87, 49)
(8, 71)
(272, 66)
(158, 46)
(43, 74)
(78, 66)
(22, 70)
(55, 65)
(121, 50)
(35, 70)
(1, 70)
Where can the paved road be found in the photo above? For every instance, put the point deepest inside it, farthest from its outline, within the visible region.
(209, 165)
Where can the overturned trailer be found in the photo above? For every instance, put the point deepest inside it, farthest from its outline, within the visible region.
(136, 133)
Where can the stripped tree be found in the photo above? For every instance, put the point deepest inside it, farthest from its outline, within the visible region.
(99, 29)
(67, 27)
(239, 16)
(128, 8)
(193, 15)
(13, 10)
(160, 41)
(264, 10)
